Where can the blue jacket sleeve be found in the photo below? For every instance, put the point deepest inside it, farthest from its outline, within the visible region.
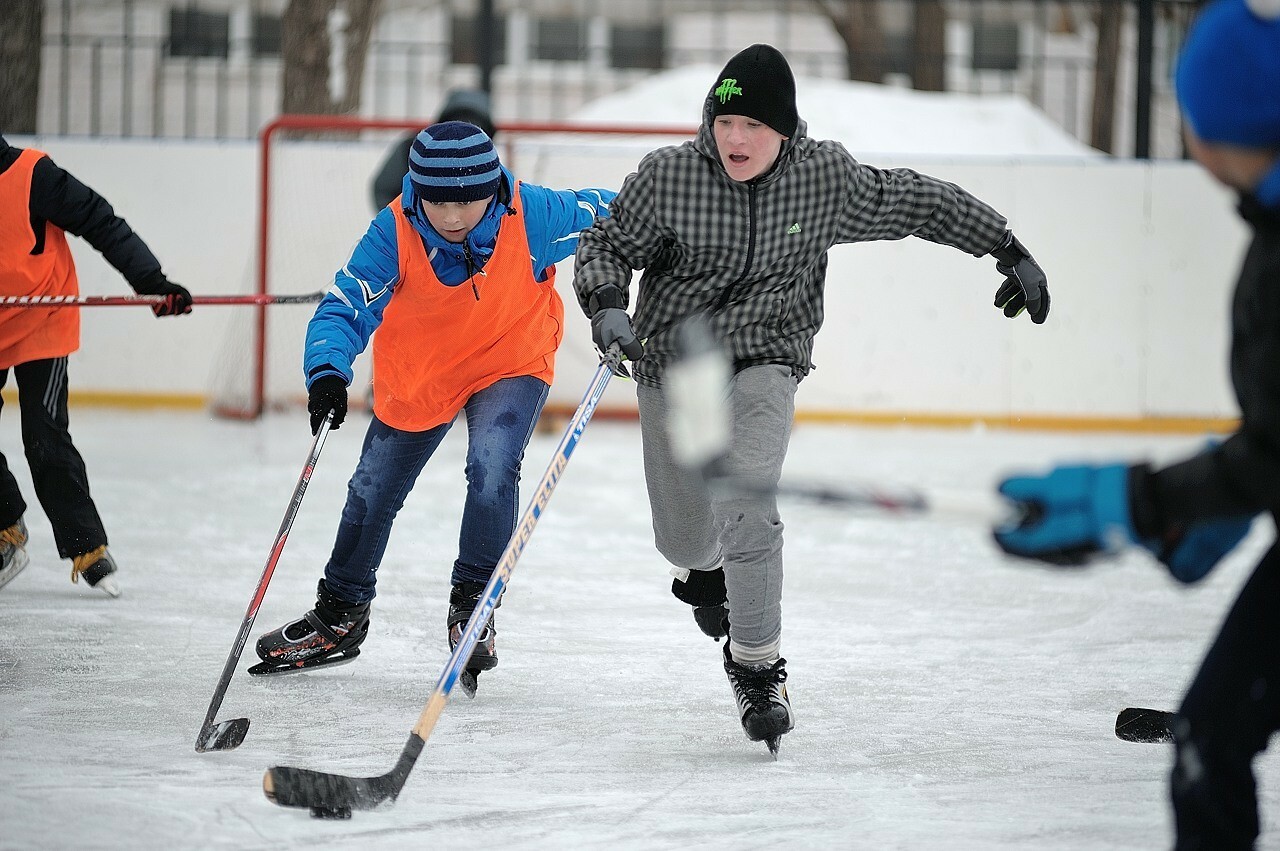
(553, 218)
(352, 309)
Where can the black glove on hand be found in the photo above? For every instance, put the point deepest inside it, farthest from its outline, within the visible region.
(177, 299)
(610, 323)
(1025, 287)
(327, 393)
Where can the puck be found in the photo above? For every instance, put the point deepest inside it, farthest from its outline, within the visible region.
(331, 812)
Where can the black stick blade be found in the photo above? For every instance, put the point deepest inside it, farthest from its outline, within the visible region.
(223, 736)
(318, 790)
(1144, 725)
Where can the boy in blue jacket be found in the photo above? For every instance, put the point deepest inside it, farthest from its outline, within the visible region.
(457, 276)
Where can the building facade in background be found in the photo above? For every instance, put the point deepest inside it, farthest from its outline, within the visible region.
(212, 69)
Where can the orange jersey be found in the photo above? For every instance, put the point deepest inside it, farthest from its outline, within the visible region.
(437, 345)
(28, 334)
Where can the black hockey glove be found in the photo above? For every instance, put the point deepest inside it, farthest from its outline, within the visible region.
(327, 393)
(610, 323)
(177, 299)
(1024, 287)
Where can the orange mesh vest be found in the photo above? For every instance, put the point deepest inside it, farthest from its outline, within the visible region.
(29, 334)
(437, 345)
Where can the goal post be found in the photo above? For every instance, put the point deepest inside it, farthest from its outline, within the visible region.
(315, 202)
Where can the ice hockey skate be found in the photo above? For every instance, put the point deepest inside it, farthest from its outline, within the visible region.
(13, 551)
(704, 590)
(98, 569)
(463, 600)
(761, 692)
(330, 634)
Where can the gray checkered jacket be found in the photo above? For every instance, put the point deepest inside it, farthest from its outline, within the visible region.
(753, 256)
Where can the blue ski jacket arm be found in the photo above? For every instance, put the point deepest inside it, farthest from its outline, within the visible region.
(555, 217)
(352, 308)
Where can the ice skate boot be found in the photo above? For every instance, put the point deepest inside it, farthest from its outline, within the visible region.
(761, 692)
(463, 600)
(329, 634)
(13, 551)
(704, 590)
(98, 569)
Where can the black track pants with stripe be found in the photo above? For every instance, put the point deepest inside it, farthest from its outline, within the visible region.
(57, 470)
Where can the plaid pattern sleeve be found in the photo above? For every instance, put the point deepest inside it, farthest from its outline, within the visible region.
(629, 239)
(899, 202)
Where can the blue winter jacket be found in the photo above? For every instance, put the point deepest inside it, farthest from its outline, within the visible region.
(352, 309)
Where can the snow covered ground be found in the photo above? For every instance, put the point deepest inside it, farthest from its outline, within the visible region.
(945, 696)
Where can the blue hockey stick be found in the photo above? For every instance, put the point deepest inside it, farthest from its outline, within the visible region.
(335, 795)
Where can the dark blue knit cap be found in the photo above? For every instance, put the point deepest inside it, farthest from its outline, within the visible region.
(454, 161)
(1228, 76)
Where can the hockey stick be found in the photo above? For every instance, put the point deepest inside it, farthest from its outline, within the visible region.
(336, 795)
(151, 300)
(699, 425)
(1136, 724)
(227, 735)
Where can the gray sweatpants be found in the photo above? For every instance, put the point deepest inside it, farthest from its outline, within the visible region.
(699, 528)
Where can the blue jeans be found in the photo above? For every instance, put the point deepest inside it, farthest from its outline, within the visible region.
(500, 421)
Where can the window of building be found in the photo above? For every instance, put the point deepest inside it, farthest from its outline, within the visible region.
(995, 46)
(637, 45)
(266, 35)
(195, 33)
(560, 40)
(464, 46)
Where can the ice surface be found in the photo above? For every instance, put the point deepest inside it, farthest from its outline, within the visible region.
(945, 697)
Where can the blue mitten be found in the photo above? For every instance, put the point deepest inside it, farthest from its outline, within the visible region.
(1076, 513)
(1068, 516)
(1195, 551)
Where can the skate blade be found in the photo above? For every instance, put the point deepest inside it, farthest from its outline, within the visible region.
(469, 682)
(772, 744)
(20, 561)
(270, 669)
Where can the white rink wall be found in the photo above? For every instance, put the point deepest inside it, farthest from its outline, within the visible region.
(1140, 258)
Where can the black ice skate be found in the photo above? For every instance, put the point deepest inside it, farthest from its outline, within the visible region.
(704, 590)
(13, 551)
(98, 569)
(761, 692)
(329, 634)
(463, 600)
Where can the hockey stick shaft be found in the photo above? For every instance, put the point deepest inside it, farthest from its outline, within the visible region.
(151, 300)
(298, 787)
(229, 734)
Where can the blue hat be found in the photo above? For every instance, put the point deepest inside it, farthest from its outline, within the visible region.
(454, 161)
(1228, 76)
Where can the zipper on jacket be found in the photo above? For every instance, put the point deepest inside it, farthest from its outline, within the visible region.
(471, 270)
(751, 250)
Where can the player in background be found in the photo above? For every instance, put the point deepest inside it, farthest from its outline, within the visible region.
(735, 227)
(1192, 513)
(458, 279)
(40, 204)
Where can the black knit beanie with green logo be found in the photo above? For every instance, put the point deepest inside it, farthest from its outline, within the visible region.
(758, 83)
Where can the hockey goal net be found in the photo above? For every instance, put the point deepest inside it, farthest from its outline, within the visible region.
(316, 202)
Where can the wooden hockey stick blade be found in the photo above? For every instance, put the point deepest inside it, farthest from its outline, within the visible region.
(325, 793)
(1146, 726)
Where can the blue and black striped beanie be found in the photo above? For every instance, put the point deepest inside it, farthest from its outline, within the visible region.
(454, 161)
